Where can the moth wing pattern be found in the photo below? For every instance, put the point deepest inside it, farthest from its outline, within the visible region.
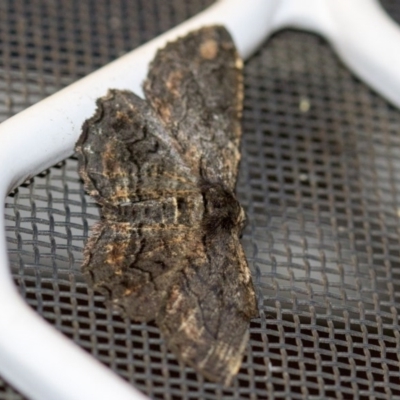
(126, 156)
(205, 317)
(134, 267)
(196, 86)
(163, 170)
(130, 165)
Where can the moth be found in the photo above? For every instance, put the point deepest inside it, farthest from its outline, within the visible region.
(163, 171)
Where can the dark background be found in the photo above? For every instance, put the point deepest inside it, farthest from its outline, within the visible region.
(319, 179)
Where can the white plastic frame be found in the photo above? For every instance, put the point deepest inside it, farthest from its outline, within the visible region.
(37, 359)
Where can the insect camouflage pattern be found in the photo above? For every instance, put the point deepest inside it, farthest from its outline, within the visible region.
(164, 171)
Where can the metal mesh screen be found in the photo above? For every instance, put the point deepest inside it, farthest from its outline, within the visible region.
(320, 182)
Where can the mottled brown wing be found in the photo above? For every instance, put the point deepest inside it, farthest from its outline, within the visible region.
(134, 258)
(185, 268)
(195, 85)
(167, 245)
(205, 317)
(125, 154)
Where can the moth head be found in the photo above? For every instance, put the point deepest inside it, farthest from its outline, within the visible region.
(222, 211)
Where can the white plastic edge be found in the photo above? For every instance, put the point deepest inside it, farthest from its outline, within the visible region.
(36, 358)
(363, 35)
(369, 44)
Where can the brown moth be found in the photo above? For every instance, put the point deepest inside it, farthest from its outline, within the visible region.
(163, 171)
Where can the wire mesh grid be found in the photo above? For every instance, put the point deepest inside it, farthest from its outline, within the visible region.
(318, 179)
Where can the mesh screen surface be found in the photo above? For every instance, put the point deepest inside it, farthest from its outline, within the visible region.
(319, 181)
